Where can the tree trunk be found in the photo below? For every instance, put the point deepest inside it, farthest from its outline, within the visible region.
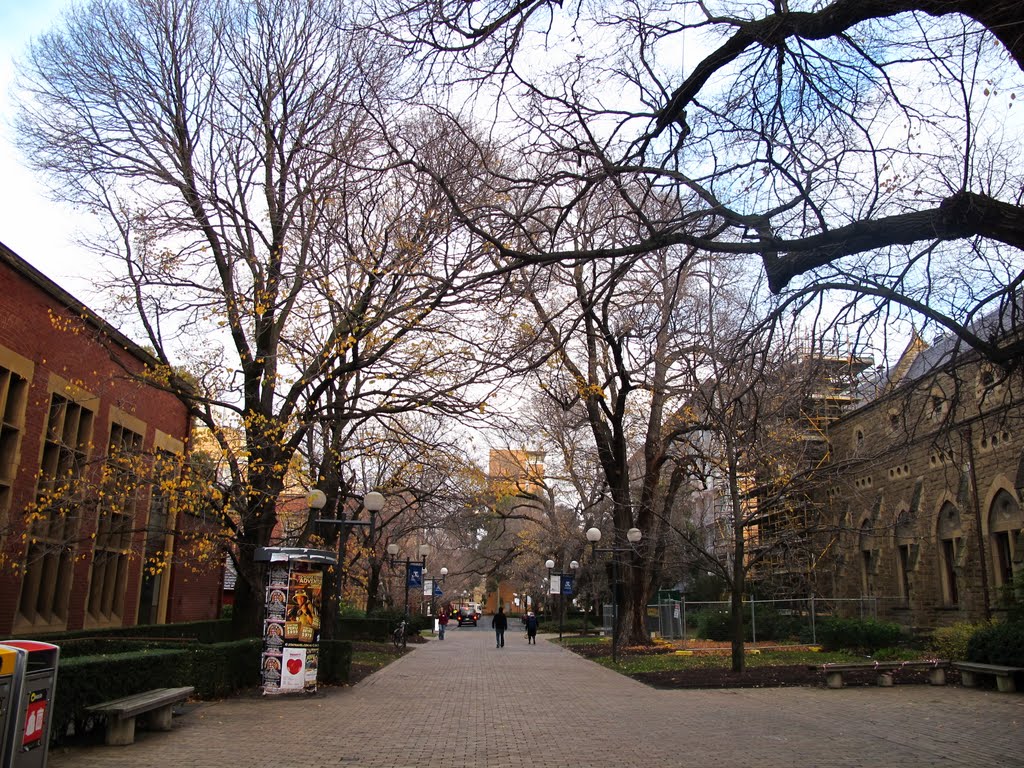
(373, 586)
(736, 624)
(738, 565)
(247, 612)
(633, 627)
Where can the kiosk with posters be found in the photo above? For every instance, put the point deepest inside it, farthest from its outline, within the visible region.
(291, 625)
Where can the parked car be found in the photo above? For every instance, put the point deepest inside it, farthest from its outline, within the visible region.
(468, 617)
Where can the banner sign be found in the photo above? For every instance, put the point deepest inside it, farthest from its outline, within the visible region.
(414, 575)
(567, 584)
(555, 585)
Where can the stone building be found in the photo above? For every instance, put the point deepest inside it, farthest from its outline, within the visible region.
(924, 492)
(83, 542)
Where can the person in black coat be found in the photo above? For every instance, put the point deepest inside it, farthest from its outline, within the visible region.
(531, 628)
(500, 624)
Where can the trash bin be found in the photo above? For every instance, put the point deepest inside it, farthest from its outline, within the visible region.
(34, 710)
(12, 677)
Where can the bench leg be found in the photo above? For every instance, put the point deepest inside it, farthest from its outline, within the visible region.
(160, 719)
(834, 679)
(120, 731)
(1005, 683)
(968, 679)
(885, 679)
(937, 676)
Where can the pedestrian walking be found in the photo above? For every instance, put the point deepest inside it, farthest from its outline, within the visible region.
(531, 628)
(500, 624)
(442, 622)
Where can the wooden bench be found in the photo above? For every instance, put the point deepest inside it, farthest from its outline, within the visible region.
(969, 671)
(121, 713)
(885, 669)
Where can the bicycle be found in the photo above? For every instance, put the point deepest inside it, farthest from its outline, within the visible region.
(398, 636)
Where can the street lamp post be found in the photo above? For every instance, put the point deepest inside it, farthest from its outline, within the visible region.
(433, 610)
(413, 573)
(633, 536)
(373, 502)
(550, 565)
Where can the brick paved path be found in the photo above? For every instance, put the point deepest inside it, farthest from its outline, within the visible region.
(461, 702)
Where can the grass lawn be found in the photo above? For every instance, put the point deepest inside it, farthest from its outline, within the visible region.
(367, 658)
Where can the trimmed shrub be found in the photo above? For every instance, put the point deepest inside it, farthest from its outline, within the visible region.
(211, 631)
(375, 629)
(335, 661)
(713, 625)
(220, 669)
(858, 635)
(998, 644)
(951, 642)
(86, 680)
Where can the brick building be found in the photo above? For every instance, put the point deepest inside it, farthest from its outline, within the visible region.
(78, 527)
(926, 491)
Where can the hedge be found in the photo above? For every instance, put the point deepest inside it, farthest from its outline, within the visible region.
(859, 635)
(999, 644)
(100, 665)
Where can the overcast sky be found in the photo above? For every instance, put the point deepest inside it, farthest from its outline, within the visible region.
(36, 229)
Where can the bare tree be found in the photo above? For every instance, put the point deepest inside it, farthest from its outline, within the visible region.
(864, 149)
(611, 335)
(760, 404)
(261, 234)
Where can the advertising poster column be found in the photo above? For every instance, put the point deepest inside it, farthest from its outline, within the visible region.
(291, 633)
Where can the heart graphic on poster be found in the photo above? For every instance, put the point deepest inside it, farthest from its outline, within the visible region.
(294, 665)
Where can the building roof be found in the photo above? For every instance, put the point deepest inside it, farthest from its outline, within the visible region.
(79, 309)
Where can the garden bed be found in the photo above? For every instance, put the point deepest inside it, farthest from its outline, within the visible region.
(707, 665)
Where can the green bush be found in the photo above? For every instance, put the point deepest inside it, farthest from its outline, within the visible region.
(998, 644)
(713, 625)
(86, 680)
(951, 642)
(394, 616)
(220, 669)
(210, 631)
(335, 661)
(773, 625)
(376, 629)
(858, 635)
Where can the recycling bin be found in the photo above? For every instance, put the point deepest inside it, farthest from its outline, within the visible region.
(34, 711)
(12, 677)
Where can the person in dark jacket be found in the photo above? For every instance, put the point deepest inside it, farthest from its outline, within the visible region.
(500, 624)
(531, 628)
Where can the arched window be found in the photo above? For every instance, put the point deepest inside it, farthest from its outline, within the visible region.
(906, 553)
(950, 552)
(868, 558)
(1004, 524)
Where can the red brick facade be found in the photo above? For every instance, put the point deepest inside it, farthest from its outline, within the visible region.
(67, 395)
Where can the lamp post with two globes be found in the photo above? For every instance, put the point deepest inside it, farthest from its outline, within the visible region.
(372, 502)
(413, 574)
(633, 536)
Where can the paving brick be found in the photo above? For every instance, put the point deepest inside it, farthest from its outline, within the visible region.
(462, 703)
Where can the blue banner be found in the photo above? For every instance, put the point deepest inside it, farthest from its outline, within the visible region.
(567, 585)
(414, 575)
